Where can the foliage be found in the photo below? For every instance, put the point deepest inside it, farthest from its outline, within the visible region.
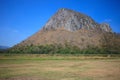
(58, 49)
(111, 43)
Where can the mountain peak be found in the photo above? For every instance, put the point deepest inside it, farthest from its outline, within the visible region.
(68, 27)
(72, 21)
(64, 9)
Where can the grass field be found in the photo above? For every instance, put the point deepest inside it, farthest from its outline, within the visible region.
(43, 67)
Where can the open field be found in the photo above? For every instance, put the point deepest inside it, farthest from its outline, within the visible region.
(43, 67)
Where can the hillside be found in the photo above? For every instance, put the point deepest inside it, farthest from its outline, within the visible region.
(68, 27)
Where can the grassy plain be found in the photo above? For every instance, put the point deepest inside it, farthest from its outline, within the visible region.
(59, 67)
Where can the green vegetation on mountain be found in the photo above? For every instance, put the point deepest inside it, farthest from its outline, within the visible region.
(110, 45)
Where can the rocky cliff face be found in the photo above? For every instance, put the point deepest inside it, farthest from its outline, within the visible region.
(72, 21)
(68, 26)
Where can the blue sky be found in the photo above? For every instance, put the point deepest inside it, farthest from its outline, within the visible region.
(20, 19)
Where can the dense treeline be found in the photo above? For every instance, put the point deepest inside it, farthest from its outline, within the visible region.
(59, 49)
(53, 49)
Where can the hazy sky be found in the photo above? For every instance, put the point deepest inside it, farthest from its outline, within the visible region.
(19, 19)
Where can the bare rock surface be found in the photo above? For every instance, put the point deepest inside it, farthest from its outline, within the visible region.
(72, 21)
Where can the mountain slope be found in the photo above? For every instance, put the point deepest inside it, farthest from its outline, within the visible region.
(81, 38)
(3, 47)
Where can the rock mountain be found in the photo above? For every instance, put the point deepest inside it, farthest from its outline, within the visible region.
(71, 27)
(73, 21)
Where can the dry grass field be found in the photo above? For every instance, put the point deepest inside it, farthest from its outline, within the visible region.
(43, 67)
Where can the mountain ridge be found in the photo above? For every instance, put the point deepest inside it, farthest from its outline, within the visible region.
(3, 47)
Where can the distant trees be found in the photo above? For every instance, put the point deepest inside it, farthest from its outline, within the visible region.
(55, 49)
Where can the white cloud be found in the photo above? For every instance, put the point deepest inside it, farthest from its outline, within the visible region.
(16, 31)
(108, 20)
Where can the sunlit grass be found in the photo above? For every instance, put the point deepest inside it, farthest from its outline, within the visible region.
(44, 67)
